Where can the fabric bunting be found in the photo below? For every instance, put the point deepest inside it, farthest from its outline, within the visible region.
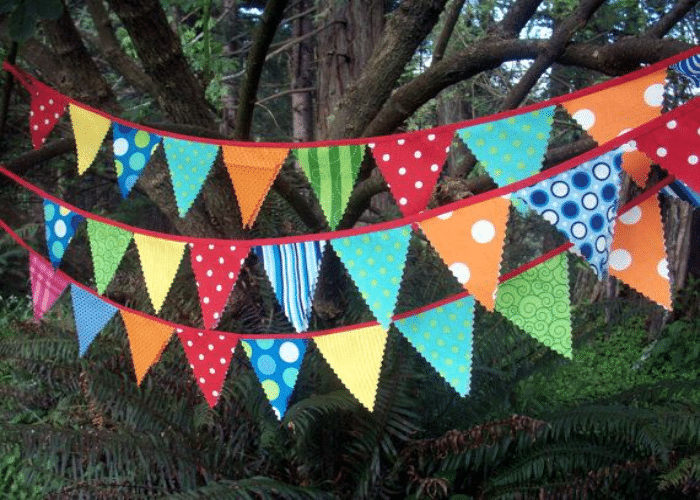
(443, 336)
(216, 270)
(375, 262)
(676, 146)
(209, 354)
(513, 148)
(46, 109)
(276, 364)
(189, 163)
(160, 260)
(538, 302)
(356, 357)
(147, 339)
(606, 114)
(47, 285)
(252, 171)
(411, 166)
(638, 254)
(91, 315)
(60, 226)
(89, 130)
(332, 172)
(293, 271)
(470, 242)
(582, 204)
(690, 68)
(132, 150)
(108, 245)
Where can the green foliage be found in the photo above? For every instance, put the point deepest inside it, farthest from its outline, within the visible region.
(24, 15)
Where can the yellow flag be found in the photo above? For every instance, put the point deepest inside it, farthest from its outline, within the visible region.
(89, 130)
(147, 339)
(159, 262)
(356, 357)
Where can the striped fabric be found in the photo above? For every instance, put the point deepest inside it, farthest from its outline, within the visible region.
(47, 284)
(690, 68)
(293, 271)
(332, 172)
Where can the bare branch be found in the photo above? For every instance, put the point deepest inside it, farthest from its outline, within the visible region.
(516, 18)
(287, 92)
(447, 30)
(670, 19)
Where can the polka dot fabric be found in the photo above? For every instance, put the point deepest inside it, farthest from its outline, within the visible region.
(443, 336)
(376, 261)
(582, 204)
(411, 165)
(216, 270)
(91, 315)
(513, 148)
(46, 109)
(60, 225)
(276, 363)
(470, 241)
(189, 163)
(132, 150)
(638, 254)
(209, 354)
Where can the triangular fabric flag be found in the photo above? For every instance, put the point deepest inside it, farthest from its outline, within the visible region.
(411, 166)
(538, 302)
(108, 245)
(47, 285)
(332, 172)
(470, 242)
(46, 109)
(356, 357)
(216, 271)
(132, 150)
(443, 336)
(293, 271)
(638, 253)
(690, 68)
(60, 226)
(252, 171)
(375, 262)
(189, 163)
(611, 112)
(276, 363)
(89, 130)
(147, 339)
(159, 262)
(582, 204)
(512, 148)
(676, 145)
(91, 315)
(209, 354)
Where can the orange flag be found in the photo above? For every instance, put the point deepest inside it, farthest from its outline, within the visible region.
(470, 241)
(638, 253)
(616, 110)
(147, 339)
(252, 171)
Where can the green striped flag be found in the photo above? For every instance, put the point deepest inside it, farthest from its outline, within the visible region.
(332, 172)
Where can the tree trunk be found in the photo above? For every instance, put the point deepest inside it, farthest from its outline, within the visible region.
(302, 76)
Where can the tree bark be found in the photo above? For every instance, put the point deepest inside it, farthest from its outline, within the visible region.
(302, 73)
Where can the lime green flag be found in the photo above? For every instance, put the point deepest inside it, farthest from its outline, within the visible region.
(108, 245)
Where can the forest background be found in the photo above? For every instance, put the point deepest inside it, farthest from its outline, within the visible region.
(620, 420)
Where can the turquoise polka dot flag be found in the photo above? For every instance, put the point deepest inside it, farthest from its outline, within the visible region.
(513, 148)
(60, 224)
(132, 150)
(91, 315)
(375, 262)
(443, 336)
(276, 362)
(189, 163)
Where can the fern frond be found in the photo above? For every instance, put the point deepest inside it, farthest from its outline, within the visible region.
(254, 488)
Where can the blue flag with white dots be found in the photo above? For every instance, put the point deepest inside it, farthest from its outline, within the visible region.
(60, 224)
(443, 336)
(582, 204)
(276, 362)
(132, 150)
(189, 163)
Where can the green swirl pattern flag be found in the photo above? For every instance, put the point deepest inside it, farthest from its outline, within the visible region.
(108, 245)
(538, 302)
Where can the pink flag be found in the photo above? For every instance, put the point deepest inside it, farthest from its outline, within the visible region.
(47, 284)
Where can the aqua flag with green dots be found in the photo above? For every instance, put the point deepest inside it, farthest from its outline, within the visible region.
(512, 148)
(443, 336)
(332, 172)
(189, 163)
(375, 262)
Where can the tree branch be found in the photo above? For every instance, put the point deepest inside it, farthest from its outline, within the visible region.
(515, 19)
(447, 30)
(669, 20)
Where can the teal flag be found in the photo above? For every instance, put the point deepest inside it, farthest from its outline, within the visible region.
(189, 163)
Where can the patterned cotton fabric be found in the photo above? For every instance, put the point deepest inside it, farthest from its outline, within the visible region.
(60, 226)
(91, 315)
(46, 109)
(690, 68)
(47, 285)
(89, 130)
(108, 245)
(132, 150)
